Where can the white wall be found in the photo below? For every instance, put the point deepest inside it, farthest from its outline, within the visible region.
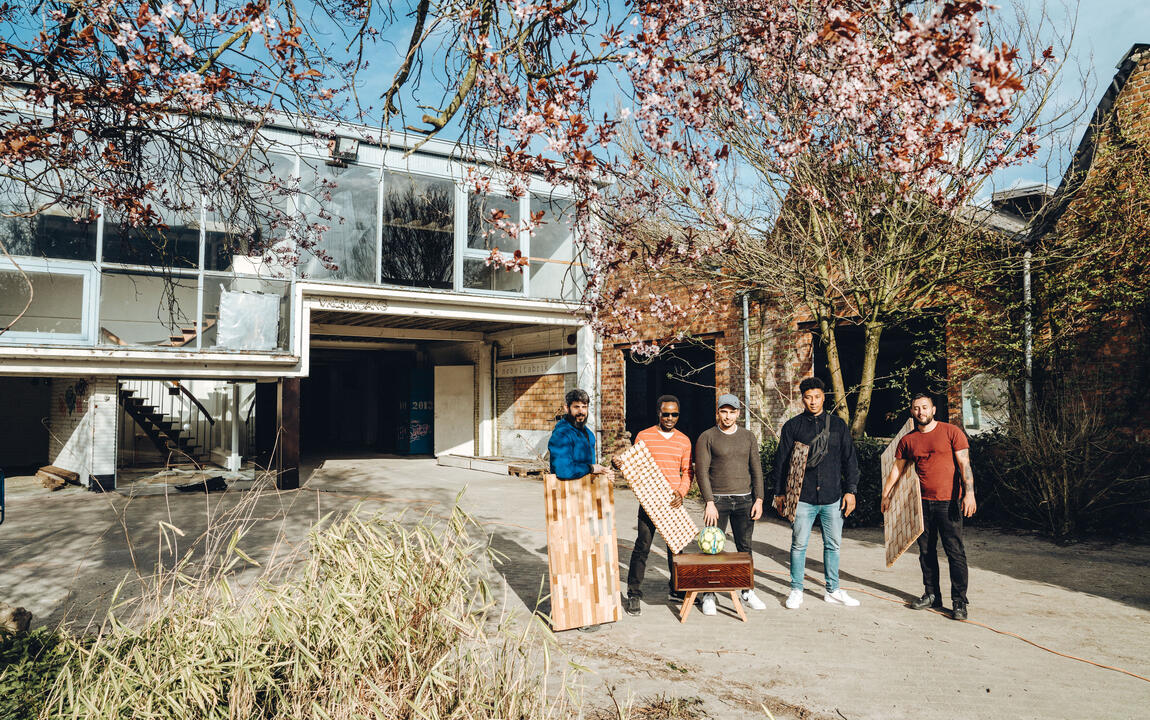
(82, 434)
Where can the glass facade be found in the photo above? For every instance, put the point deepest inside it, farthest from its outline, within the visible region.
(206, 280)
(344, 201)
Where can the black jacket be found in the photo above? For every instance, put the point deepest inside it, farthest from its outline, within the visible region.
(836, 475)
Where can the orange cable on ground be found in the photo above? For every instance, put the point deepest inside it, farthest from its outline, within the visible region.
(1010, 634)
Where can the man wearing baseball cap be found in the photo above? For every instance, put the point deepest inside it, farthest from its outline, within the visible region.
(731, 479)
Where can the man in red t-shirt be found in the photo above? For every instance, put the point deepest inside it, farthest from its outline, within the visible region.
(671, 450)
(939, 452)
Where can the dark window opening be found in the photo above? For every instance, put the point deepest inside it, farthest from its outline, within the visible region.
(911, 359)
(686, 371)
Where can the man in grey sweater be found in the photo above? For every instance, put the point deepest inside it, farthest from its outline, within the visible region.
(731, 479)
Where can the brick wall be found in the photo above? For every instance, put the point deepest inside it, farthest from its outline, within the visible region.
(82, 426)
(780, 356)
(526, 408)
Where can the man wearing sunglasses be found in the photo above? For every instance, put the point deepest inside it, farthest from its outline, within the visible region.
(672, 452)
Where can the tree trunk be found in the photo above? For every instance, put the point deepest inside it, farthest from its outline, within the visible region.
(871, 334)
(838, 387)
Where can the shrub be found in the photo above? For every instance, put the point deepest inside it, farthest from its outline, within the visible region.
(868, 511)
(1067, 473)
(29, 665)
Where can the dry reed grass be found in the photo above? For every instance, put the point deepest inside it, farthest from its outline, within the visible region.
(370, 619)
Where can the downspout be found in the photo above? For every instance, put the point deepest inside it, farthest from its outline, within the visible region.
(746, 363)
(494, 399)
(598, 397)
(1027, 342)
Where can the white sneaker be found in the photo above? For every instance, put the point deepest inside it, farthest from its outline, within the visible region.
(840, 597)
(794, 599)
(709, 604)
(752, 600)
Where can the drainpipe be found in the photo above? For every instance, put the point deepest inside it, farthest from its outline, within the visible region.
(494, 400)
(1027, 342)
(746, 363)
(598, 397)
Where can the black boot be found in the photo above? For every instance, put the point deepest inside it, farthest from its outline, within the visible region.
(928, 600)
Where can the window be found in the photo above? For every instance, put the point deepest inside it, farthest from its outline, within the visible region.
(246, 314)
(233, 232)
(147, 309)
(344, 200)
(54, 232)
(553, 276)
(418, 248)
(483, 236)
(60, 306)
(985, 403)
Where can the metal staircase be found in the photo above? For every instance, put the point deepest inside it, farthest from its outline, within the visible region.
(163, 423)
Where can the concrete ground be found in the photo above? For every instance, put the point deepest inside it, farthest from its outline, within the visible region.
(62, 553)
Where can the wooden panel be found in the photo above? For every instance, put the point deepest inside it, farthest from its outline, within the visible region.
(582, 554)
(903, 522)
(454, 426)
(654, 494)
(795, 474)
(719, 572)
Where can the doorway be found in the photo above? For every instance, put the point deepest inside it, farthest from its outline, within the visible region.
(687, 371)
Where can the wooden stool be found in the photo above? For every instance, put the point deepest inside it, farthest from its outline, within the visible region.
(694, 573)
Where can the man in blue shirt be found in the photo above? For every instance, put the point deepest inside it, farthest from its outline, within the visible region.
(572, 448)
(572, 444)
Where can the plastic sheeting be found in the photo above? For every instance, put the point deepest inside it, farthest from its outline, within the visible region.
(248, 320)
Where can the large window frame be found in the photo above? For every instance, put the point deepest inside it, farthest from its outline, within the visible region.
(463, 250)
(88, 312)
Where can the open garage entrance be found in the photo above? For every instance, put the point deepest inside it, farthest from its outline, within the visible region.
(367, 401)
(687, 371)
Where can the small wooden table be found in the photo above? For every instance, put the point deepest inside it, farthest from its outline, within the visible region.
(694, 573)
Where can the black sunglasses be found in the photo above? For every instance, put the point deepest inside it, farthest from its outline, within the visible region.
(670, 414)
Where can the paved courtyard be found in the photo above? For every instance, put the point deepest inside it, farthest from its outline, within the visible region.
(63, 553)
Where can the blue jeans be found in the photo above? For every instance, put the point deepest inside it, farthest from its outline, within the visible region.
(830, 519)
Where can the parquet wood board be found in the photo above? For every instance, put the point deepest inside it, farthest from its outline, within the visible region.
(795, 474)
(650, 486)
(582, 552)
(903, 522)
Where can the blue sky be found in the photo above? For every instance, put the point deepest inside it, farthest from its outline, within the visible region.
(1104, 31)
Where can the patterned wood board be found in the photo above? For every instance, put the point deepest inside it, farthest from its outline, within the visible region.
(903, 522)
(795, 474)
(582, 551)
(655, 494)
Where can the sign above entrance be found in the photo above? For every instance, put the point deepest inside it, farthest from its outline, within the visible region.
(536, 366)
(352, 304)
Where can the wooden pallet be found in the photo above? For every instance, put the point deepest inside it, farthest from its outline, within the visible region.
(655, 494)
(582, 551)
(903, 521)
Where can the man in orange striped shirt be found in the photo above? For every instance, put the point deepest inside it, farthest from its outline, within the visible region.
(672, 452)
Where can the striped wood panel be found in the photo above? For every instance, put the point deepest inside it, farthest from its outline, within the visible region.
(582, 552)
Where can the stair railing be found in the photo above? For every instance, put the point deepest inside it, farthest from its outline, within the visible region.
(191, 423)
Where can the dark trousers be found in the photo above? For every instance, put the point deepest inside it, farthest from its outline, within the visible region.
(738, 509)
(637, 568)
(943, 519)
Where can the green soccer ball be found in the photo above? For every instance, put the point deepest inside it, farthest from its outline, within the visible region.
(711, 540)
